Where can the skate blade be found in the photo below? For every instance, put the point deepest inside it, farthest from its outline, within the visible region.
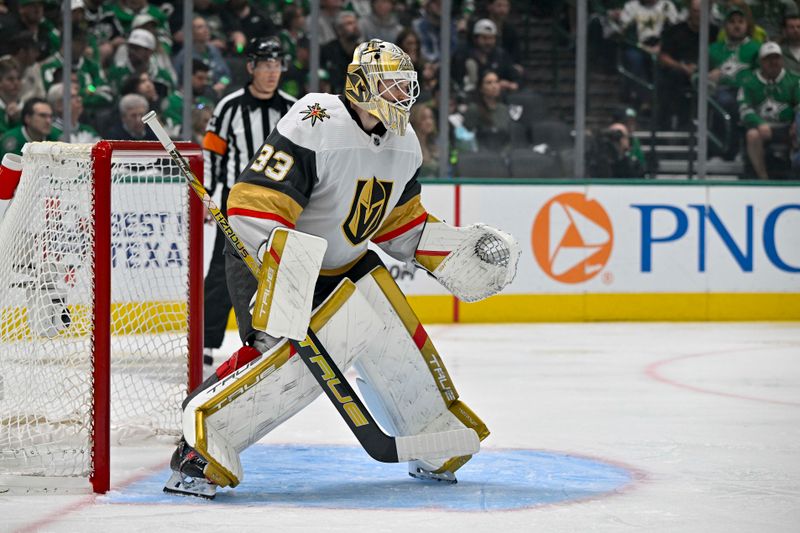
(200, 488)
(445, 477)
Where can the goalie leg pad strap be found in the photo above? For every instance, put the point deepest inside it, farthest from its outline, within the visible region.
(240, 358)
(407, 379)
(247, 404)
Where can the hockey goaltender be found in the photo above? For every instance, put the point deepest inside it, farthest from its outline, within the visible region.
(338, 172)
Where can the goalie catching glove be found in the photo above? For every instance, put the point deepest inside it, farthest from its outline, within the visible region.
(473, 262)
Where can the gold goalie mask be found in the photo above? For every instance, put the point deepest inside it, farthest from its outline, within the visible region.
(381, 80)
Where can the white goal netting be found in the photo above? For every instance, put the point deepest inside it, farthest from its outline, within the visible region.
(47, 292)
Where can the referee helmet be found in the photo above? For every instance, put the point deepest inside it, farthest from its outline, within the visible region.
(265, 49)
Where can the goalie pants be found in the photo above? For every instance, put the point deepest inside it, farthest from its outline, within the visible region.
(217, 302)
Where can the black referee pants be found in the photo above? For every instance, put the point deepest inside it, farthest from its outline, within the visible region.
(217, 301)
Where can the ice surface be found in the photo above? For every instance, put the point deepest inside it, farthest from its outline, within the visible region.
(695, 428)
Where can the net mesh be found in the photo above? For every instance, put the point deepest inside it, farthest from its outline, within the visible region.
(46, 307)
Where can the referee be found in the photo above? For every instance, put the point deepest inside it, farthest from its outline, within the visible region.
(240, 124)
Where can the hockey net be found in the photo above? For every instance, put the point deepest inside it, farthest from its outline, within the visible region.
(100, 322)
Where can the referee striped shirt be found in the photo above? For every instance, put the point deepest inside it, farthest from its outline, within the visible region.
(236, 131)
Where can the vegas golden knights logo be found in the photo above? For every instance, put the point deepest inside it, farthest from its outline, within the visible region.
(368, 208)
(356, 86)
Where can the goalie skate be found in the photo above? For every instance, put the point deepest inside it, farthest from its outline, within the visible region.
(419, 470)
(187, 474)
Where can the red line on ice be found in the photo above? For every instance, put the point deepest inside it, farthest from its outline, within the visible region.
(653, 371)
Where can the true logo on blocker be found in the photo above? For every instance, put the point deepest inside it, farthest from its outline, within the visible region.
(572, 238)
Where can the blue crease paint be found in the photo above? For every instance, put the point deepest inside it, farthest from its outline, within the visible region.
(344, 477)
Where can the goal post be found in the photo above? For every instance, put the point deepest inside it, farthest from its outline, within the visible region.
(101, 326)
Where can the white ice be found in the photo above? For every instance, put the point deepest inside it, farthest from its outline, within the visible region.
(708, 415)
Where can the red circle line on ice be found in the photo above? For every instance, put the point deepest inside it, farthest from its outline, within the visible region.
(572, 238)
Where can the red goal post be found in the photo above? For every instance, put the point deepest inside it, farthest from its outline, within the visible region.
(101, 311)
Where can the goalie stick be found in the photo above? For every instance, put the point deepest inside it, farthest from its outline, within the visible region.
(376, 443)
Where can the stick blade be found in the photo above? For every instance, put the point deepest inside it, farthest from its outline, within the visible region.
(440, 445)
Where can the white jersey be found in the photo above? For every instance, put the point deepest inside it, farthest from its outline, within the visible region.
(649, 19)
(319, 172)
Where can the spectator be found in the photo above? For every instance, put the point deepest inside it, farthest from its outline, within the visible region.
(424, 123)
(361, 8)
(791, 44)
(428, 82)
(294, 23)
(203, 96)
(337, 54)
(487, 116)
(140, 47)
(295, 80)
(30, 17)
(483, 55)
(627, 117)
(79, 132)
(10, 88)
(678, 59)
(611, 154)
(770, 14)
(24, 51)
(143, 85)
(602, 34)
(101, 25)
(498, 12)
(123, 13)
(162, 53)
(37, 125)
(427, 27)
(203, 50)
(328, 17)
(201, 115)
(381, 23)
(95, 90)
(212, 12)
(730, 61)
(647, 19)
(408, 40)
(242, 21)
(737, 52)
(132, 107)
(92, 50)
(769, 98)
(719, 12)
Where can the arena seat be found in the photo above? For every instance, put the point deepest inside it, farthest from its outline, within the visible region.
(525, 163)
(481, 165)
(556, 134)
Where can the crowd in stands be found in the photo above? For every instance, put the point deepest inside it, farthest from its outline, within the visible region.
(128, 56)
(754, 70)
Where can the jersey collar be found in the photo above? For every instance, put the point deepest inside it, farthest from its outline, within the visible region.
(379, 129)
(770, 82)
(251, 101)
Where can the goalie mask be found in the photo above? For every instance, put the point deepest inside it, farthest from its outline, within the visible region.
(381, 80)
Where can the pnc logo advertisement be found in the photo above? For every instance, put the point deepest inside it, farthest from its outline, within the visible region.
(572, 238)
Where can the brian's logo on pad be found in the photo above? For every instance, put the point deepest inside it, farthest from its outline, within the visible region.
(367, 210)
(572, 238)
